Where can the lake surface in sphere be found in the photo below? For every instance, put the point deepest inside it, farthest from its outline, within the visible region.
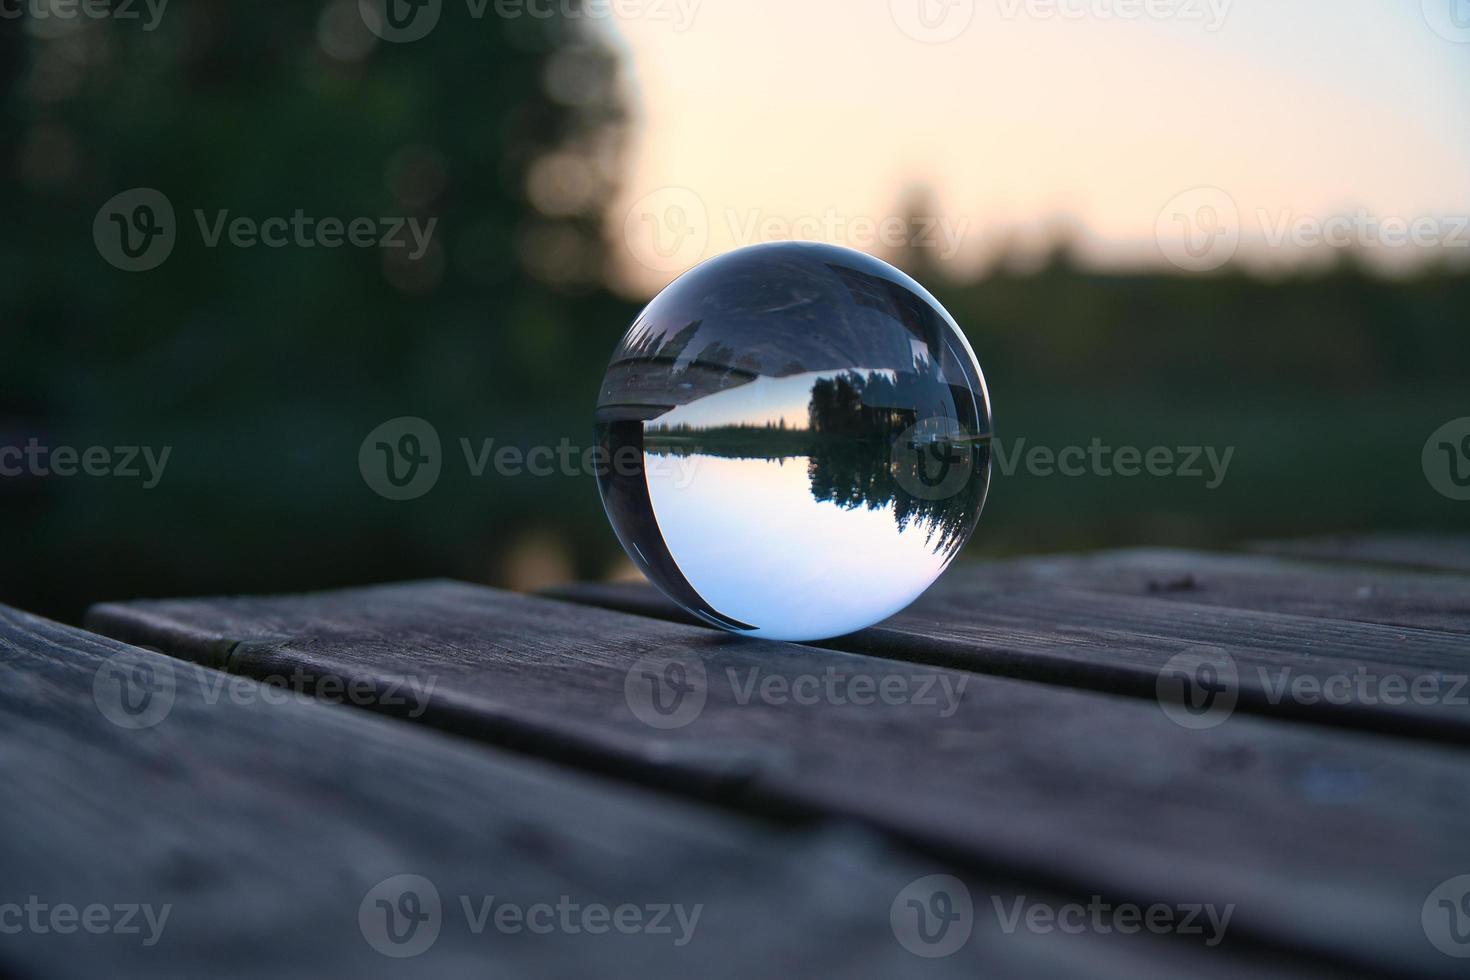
(799, 441)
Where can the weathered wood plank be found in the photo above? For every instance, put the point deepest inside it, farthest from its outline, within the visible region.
(265, 823)
(1355, 593)
(1445, 552)
(1028, 620)
(1327, 842)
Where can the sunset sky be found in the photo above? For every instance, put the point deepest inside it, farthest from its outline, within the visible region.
(756, 116)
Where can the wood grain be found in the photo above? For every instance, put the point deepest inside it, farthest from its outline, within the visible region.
(1443, 552)
(263, 820)
(1114, 623)
(1326, 842)
(1353, 593)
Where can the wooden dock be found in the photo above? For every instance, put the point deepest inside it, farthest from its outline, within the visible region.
(1144, 763)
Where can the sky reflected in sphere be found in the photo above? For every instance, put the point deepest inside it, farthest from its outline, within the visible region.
(813, 432)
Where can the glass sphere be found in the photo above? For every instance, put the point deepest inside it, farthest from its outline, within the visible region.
(795, 439)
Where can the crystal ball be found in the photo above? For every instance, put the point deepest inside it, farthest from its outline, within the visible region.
(794, 441)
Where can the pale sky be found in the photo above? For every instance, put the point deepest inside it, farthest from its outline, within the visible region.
(762, 401)
(758, 119)
(752, 540)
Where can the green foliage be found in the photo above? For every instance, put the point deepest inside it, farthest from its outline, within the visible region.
(264, 368)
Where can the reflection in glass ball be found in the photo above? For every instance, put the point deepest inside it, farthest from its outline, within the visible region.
(798, 441)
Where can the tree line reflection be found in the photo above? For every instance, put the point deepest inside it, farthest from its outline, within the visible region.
(864, 446)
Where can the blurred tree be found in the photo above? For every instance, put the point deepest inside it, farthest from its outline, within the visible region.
(263, 368)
